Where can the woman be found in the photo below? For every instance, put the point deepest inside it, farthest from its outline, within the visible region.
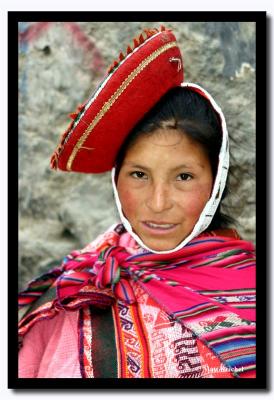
(169, 291)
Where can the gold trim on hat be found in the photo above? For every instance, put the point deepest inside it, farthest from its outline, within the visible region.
(108, 104)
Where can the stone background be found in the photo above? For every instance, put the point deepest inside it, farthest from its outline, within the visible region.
(60, 64)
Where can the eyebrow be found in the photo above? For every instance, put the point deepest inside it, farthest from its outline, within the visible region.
(181, 166)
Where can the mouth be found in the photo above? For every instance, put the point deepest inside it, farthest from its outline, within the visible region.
(159, 227)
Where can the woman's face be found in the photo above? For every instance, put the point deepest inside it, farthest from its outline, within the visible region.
(163, 185)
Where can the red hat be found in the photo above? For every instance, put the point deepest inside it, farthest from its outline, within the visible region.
(134, 84)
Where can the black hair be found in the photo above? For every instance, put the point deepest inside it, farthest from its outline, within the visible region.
(188, 112)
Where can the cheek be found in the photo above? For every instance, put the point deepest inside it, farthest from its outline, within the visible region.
(129, 201)
(194, 202)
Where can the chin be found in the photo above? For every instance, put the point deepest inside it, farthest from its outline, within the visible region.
(167, 246)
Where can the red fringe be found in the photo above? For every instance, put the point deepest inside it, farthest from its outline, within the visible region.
(136, 43)
(73, 116)
(141, 39)
(151, 32)
(54, 161)
(81, 107)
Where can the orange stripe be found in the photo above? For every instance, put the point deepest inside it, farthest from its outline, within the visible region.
(239, 352)
(146, 373)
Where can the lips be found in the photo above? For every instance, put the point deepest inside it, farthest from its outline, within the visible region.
(161, 227)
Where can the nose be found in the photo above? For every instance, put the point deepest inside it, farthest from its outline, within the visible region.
(159, 198)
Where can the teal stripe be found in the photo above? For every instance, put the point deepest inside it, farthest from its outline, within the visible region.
(49, 295)
(203, 310)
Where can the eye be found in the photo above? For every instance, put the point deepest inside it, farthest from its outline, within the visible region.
(184, 177)
(138, 175)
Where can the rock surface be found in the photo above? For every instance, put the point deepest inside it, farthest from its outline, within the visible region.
(60, 64)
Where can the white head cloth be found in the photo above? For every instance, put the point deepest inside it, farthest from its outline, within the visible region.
(211, 206)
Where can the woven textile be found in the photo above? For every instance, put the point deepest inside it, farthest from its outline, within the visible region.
(207, 288)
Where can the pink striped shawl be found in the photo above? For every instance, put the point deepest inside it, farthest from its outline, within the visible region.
(208, 286)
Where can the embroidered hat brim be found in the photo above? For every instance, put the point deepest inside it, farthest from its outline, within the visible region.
(132, 87)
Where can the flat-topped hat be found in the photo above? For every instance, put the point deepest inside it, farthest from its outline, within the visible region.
(133, 85)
